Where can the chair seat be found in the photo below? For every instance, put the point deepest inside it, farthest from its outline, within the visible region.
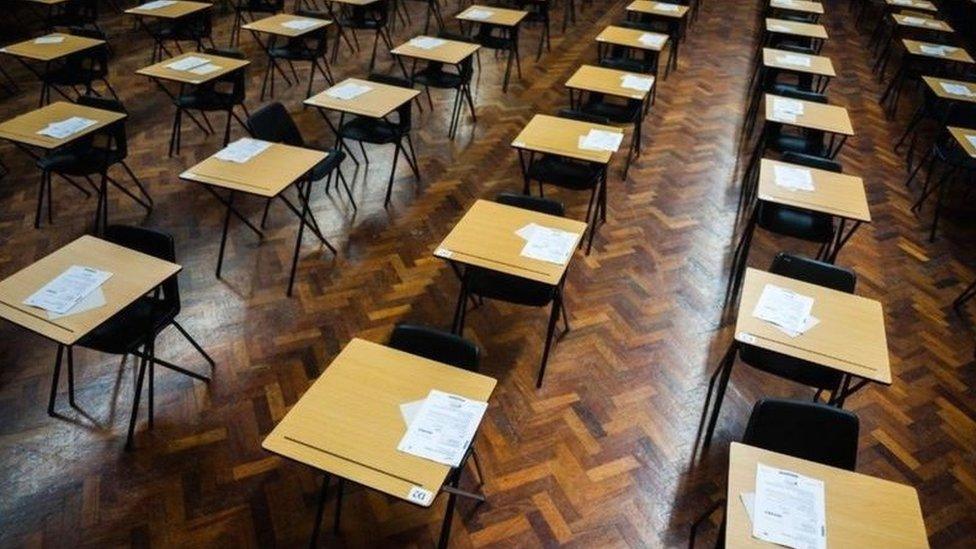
(78, 163)
(128, 328)
(793, 369)
(370, 130)
(69, 76)
(293, 53)
(323, 168)
(795, 92)
(624, 64)
(360, 24)
(794, 143)
(493, 42)
(616, 112)
(561, 172)
(438, 79)
(797, 223)
(512, 289)
(206, 100)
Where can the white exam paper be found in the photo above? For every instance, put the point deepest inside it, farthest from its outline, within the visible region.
(635, 82)
(548, 244)
(956, 89)
(67, 289)
(443, 428)
(971, 139)
(205, 69)
(410, 409)
(936, 50)
(910, 20)
(787, 109)
(796, 60)
(797, 179)
(349, 90)
(600, 140)
(778, 28)
(67, 127)
(664, 6)
(300, 24)
(427, 42)
(749, 502)
(52, 39)
(94, 300)
(156, 4)
(242, 150)
(652, 40)
(789, 509)
(784, 308)
(479, 14)
(188, 63)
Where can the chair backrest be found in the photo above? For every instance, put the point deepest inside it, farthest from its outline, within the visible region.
(812, 161)
(316, 42)
(534, 203)
(583, 116)
(273, 123)
(467, 65)
(807, 430)
(237, 79)
(150, 242)
(261, 6)
(435, 344)
(115, 131)
(404, 111)
(92, 62)
(82, 11)
(814, 272)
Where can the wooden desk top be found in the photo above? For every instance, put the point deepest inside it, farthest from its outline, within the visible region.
(917, 22)
(162, 71)
(608, 81)
(500, 17)
(23, 129)
(276, 25)
(266, 174)
(48, 2)
(923, 5)
(835, 194)
(352, 2)
(378, 102)
(349, 422)
(935, 84)
(560, 136)
(861, 510)
(133, 275)
(181, 8)
(850, 337)
(485, 237)
(623, 36)
(954, 53)
(28, 49)
(806, 30)
(802, 6)
(819, 64)
(816, 116)
(450, 52)
(962, 136)
(660, 9)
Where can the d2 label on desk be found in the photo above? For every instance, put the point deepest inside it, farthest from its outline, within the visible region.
(420, 495)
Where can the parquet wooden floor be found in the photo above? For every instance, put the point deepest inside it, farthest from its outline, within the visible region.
(599, 457)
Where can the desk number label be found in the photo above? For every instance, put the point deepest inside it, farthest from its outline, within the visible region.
(420, 495)
(746, 338)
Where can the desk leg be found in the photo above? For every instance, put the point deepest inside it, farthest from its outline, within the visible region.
(445, 536)
(740, 258)
(722, 373)
(842, 239)
(323, 496)
(223, 235)
(54, 381)
(298, 241)
(524, 165)
(101, 211)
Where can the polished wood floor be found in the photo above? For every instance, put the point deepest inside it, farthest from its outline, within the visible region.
(600, 456)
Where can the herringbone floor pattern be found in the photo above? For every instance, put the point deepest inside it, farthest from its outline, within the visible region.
(599, 457)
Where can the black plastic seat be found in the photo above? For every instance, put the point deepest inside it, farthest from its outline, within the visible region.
(437, 345)
(490, 284)
(373, 17)
(81, 69)
(311, 47)
(804, 430)
(252, 9)
(222, 94)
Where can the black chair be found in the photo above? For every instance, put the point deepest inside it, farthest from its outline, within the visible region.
(80, 69)
(487, 284)
(957, 167)
(273, 123)
(92, 155)
(196, 28)
(222, 94)
(134, 329)
(805, 430)
(381, 131)
(74, 13)
(251, 8)
(501, 39)
(433, 10)
(800, 371)
(439, 346)
(373, 17)
(310, 47)
(538, 13)
(571, 174)
(433, 75)
(616, 110)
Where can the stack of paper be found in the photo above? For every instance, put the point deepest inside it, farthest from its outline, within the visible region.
(67, 289)
(785, 309)
(789, 509)
(300, 24)
(67, 127)
(795, 60)
(664, 6)
(187, 63)
(936, 50)
(94, 300)
(911, 20)
(242, 150)
(795, 179)
(349, 90)
(600, 140)
(786, 110)
(156, 4)
(902, 2)
(636, 82)
(972, 140)
(442, 429)
(50, 39)
(956, 89)
(547, 244)
(652, 40)
(479, 14)
(427, 42)
(776, 27)
(205, 69)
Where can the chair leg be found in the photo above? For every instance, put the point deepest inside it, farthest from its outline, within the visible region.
(195, 345)
(135, 400)
(338, 507)
(702, 518)
(54, 381)
(724, 371)
(71, 377)
(389, 185)
(553, 318)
